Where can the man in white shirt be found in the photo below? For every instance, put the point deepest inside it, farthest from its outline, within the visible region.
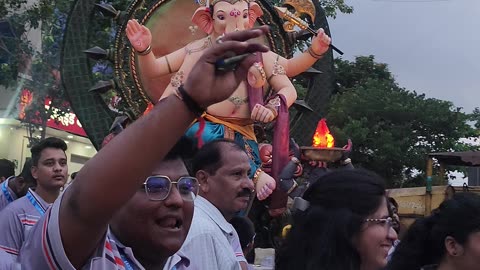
(222, 168)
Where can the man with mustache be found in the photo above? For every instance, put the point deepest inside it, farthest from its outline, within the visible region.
(222, 168)
(50, 170)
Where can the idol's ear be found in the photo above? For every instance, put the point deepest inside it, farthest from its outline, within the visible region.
(203, 19)
(254, 12)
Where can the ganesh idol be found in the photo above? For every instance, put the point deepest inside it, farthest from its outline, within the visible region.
(234, 117)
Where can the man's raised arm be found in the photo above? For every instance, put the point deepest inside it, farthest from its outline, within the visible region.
(116, 172)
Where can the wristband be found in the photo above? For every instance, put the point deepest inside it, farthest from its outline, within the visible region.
(146, 51)
(189, 102)
(313, 54)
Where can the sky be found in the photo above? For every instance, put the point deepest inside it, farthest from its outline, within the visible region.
(431, 46)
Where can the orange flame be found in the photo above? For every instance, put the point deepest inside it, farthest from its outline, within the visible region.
(322, 136)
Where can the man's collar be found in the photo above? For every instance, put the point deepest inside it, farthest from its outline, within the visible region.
(9, 178)
(126, 250)
(38, 198)
(10, 190)
(214, 214)
(179, 258)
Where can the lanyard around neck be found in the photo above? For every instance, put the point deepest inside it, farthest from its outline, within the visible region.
(35, 203)
(5, 191)
(126, 262)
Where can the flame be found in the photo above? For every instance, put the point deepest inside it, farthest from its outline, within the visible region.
(322, 136)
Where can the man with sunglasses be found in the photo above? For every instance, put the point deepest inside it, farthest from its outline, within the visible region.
(122, 212)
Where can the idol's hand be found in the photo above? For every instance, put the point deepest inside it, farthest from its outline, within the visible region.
(139, 36)
(262, 114)
(321, 42)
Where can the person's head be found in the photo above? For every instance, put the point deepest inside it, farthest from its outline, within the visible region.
(451, 235)
(49, 163)
(7, 169)
(345, 226)
(24, 180)
(222, 167)
(156, 220)
(226, 16)
(246, 232)
(393, 205)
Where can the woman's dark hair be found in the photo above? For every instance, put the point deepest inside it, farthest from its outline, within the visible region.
(393, 202)
(424, 242)
(322, 236)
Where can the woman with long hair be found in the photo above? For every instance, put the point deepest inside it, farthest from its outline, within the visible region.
(447, 239)
(344, 224)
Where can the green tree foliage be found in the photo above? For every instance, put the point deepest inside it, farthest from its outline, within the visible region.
(38, 66)
(392, 129)
(332, 7)
(476, 118)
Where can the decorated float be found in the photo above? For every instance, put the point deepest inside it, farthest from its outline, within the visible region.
(107, 44)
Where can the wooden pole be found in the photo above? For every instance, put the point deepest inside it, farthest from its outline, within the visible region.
(442, 175)
(428, 189)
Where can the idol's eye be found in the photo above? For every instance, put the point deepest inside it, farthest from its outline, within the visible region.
(221, 17)
(245, 15)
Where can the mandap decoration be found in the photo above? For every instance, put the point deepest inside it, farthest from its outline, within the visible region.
(103, 80)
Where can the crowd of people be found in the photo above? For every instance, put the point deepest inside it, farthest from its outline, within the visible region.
(136, 204)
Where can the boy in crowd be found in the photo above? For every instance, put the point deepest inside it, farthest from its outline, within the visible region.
(49, 169)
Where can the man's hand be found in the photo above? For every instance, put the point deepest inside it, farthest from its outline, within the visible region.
(208, 86)
(140, 36)
(321, 42)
